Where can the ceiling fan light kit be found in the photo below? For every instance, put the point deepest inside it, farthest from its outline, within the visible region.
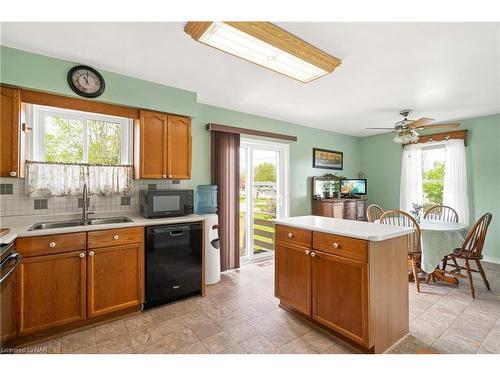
(407, 129)
(267, 45)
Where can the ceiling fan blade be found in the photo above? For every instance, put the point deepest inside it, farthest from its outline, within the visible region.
(381, 128)
(437, 126)
(420, 122)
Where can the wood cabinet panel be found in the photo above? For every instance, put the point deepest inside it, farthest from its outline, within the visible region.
(113, 237)
(348, 247)
(152, 145)
(51, 244)
(179, 147)
(293, 276)
(301, 237)
(115, 278)
(340, 295)
(9, 131)
(51, 291)
(8, 306)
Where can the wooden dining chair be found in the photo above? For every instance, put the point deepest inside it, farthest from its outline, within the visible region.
(373, 212)
(471, 249)
(403, 219)
(442, 213)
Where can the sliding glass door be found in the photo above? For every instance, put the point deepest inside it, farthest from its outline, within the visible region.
(263, 195)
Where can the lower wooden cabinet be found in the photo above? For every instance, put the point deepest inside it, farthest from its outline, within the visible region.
(51, 291)
(293, 276)
(115, 278)
(65, 286)
(340, 295)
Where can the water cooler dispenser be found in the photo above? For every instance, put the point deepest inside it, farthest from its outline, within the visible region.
(206, 204)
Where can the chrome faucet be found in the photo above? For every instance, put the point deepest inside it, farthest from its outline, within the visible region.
(85, 212)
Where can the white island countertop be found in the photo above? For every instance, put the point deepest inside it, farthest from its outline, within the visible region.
(349, 228)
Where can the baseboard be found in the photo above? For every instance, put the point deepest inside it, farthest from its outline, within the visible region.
(491, 259)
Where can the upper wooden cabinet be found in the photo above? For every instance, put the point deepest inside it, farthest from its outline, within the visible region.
(164, 146)
(10, 132)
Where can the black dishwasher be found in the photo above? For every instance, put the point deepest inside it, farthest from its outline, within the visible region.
(173, 263)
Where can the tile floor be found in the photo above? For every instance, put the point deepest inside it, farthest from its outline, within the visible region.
(241, 315)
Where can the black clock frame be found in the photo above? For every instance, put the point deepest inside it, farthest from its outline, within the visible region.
(76, 90)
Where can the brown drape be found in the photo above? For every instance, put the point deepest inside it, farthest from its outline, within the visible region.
(225, 150)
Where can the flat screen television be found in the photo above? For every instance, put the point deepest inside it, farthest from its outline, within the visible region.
(351, 186)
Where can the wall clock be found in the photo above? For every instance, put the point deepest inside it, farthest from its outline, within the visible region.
(86, 81)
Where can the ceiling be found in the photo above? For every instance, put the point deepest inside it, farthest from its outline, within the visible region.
(445, 71)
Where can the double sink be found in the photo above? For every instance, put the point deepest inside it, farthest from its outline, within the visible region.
(78, 223)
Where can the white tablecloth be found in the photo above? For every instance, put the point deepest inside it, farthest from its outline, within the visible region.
(439, 238)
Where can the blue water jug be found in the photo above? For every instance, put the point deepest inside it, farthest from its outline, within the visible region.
(206, 199)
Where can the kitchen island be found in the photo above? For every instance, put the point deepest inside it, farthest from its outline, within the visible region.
(348, 277)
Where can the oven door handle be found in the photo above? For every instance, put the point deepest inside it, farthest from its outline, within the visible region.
(17, 258)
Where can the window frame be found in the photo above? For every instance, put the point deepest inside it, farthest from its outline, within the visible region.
(35, 114)
(427, 148)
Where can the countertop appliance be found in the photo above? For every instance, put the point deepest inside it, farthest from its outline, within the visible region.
(212, 250)
(166, 203)
(173, 263)
(9, 263)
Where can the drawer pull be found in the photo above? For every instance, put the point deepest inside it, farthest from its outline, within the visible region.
(307, 252)
(313, 254)
(91, 253)
(52, 244)
(335, 245)
(290, 235)
(164, 176)
(13, 174)
(115, 237)
(81, 255)
(169, 176)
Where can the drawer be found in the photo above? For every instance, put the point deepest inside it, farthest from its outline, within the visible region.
(347, 247)
(301, 237)
(111, 237)
(51, 244)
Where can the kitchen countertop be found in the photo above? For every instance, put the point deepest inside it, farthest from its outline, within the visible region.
(19, 225)
(349, 228)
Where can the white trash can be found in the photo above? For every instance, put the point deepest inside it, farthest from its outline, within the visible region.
(212, 250)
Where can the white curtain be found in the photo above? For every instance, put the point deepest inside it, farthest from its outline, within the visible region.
(57, 180)
(411, 178)
(455, 179)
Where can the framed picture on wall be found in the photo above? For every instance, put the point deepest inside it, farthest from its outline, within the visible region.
(328, 159)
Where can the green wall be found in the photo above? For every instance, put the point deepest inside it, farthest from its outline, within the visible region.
(381, 161)
(43, 73)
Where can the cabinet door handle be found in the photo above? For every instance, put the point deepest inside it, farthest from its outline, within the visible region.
(13, 174)
(290, 235)
(91, 253)
(313, 254)
(335, 245)
(81, 255)
(164, 175)
(52, 244)
(307, 252)
(115, 237)
(169, 176)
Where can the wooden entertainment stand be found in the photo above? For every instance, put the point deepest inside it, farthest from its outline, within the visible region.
(340, 208)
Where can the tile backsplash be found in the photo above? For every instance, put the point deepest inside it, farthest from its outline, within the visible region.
(14, 202)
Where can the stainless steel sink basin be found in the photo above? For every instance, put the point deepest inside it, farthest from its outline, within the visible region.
(77, 223)
(109, 220)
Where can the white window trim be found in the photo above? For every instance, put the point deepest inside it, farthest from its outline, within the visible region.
(35, 115)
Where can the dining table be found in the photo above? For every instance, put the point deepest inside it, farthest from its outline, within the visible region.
(439, 238)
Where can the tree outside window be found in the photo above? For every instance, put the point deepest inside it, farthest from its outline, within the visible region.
(433, 167)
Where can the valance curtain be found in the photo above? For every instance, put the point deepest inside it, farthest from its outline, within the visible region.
(225, 163)
(58, 179)
(411, 178)
(455, 179)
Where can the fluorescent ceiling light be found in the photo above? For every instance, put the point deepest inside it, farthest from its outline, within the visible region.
(267, 45)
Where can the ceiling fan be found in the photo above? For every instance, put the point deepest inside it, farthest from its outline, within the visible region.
(407, 129)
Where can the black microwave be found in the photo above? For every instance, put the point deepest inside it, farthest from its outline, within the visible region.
(166, 203)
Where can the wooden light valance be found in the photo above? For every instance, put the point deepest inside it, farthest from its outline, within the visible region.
(60, 101)
(458, 134)
(259, 133)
